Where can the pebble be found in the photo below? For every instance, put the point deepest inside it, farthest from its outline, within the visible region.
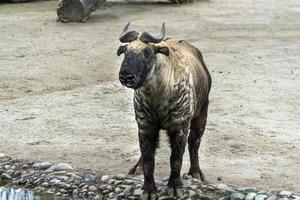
(250, 196)
(295, 197)
(41, 165)
(45, 184)
(61, 167)
(89, 178)
(93, 188)
(76, 177)
(272, 197)
(261, 197)
(285, 194)
(5, 176)
(237, 196)
(104, 178)
(120, 176)
(138, 192)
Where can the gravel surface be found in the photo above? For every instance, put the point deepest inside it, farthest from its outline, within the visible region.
(61, 180)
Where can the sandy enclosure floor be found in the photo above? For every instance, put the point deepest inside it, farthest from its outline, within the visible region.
(60, 99)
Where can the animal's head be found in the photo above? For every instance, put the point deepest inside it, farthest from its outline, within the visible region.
(139, 56)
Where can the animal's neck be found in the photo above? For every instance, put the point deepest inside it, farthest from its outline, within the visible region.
(161, 78)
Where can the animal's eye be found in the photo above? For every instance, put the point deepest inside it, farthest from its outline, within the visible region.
(147, 52)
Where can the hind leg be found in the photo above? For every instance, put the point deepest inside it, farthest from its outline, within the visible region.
(137, 169)
(196, 131)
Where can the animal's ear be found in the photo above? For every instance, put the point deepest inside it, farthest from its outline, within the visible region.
(121, 49)
(162, 50)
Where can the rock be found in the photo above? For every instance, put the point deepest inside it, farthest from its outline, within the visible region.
(120, 176)
(186, 183)
(261, 197)
(61, 167)
(89, 178)
(273, 197)
(6, 167)
(45, 184)
(5, 176)
(285, 194)
(118, 182)
(76, 177)
(128, 182)
(295, 197)
(104, 178)
(118, 190)
(138, 192)
(237, 196)
(191, 193)
(221, 186)
(193, 187)
(247, 190)
(250, 196)
(93, 188)
(41, 165)
(2, 155)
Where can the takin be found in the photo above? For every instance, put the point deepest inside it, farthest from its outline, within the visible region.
(171, 87)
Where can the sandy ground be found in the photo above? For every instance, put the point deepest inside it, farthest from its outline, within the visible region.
(60, 99)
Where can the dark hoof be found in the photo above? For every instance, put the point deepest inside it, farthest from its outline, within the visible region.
(175, 192)
(149, 196)
(198, 175)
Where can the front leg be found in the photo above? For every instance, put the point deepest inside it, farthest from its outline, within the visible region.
(178, 142)
(148, 139)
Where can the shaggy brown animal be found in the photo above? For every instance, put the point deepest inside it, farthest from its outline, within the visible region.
(171, 88)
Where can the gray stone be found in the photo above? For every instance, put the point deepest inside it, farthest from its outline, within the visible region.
(5, 176)
(261, 197)
(93, 188)
(104, 178)
(295, 197)
(89, 178)
(186, 183)
(118, 190)
(248, 190)
(76, 177)
(138, 192)
(45, 184)
(221, 186)
(285, 194)
(193, 187)
(6, 167)
(75, 193)
(129, 182)
(41, 165)
(250, 196)
(61, 167)
(2, 155)
(117, 182)
(191, 193)
(120, 176)
(272, 197)
(237, 196)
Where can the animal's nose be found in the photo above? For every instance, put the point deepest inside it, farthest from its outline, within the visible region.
(127, 79)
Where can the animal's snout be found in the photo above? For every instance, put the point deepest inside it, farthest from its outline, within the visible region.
(128, 80)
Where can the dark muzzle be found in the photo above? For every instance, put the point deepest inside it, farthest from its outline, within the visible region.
(127, 80)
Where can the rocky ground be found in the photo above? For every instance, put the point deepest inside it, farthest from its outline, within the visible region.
(62, 180)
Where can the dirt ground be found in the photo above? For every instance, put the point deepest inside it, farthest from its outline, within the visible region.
(60, 99)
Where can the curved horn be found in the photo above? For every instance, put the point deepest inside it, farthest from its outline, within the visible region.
(128, 36)
(147, 37)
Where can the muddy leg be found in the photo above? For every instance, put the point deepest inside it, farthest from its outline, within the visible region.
(148, 141)
(177, 141)
(137, 169)
(194, 140)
